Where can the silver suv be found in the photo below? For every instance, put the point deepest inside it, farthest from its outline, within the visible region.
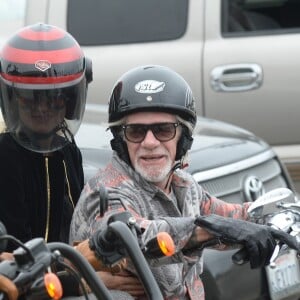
(241, 57)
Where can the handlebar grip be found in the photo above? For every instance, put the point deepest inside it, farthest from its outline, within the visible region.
(240, 257)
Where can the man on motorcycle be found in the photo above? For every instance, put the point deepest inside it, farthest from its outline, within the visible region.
(152, 117)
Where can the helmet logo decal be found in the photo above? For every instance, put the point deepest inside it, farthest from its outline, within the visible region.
(149, 87)
(42, 65)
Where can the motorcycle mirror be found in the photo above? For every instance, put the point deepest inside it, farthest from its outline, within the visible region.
(270, 202)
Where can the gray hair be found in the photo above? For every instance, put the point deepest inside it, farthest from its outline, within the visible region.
(187, 124)
(117, 123)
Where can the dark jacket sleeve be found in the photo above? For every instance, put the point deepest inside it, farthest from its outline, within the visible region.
(13, 209)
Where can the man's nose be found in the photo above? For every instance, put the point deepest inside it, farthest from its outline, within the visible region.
(150, 139)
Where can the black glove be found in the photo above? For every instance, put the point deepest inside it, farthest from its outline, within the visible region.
(259, 240)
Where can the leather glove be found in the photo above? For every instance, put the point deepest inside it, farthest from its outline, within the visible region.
(258, 240)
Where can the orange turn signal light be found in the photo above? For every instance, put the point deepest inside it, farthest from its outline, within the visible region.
(166, 243)
(53, 286)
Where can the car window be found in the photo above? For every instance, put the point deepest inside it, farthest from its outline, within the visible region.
(254, 17)
(130, 21)
(12, 17)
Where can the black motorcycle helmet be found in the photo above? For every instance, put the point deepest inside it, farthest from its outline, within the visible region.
(151, 88)
(42, 63)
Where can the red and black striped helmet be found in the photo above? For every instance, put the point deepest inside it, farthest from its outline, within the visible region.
(42, 61)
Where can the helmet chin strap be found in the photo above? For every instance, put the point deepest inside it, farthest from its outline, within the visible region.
(183, 145)
(66, 131)
(181, 164)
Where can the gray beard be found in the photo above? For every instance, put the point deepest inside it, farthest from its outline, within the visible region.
(154, 177)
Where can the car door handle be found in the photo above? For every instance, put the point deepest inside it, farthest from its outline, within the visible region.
(236, 77)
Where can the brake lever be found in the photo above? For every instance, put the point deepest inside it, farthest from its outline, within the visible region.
(274, 256)
(241, 256)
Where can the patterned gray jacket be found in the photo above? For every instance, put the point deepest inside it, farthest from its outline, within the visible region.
(178, 275)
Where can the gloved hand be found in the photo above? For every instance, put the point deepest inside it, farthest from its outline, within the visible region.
(258, 240)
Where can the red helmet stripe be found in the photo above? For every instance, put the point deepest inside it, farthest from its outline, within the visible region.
(54, 57)
(41, 80)
(52, 34)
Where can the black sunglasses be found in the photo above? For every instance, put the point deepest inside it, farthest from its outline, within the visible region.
(163, 132)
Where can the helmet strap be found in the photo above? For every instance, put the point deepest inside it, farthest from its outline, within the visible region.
(66, 131)
(184, 144)
(177, 165)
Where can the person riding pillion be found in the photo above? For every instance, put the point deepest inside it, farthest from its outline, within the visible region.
(44, 77)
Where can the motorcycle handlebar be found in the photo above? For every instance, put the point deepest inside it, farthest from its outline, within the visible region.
(10, 270)
(84, 268)
(279, 209)
(120, 230)
(145, 274)
(31, 264)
